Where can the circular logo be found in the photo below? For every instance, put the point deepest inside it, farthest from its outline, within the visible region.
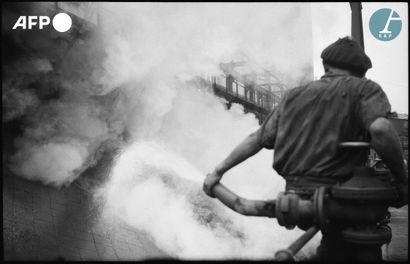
(385, 24)
(62, 22)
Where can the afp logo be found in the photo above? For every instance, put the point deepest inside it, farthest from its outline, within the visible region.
(61, 22)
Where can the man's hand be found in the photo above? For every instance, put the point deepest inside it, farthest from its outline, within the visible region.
(210, 181)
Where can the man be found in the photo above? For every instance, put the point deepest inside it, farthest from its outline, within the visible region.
(310, 122)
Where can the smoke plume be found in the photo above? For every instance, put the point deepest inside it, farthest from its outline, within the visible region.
(181, 131)
(145, 86)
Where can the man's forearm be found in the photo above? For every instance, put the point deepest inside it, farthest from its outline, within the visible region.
(386, 142)
(247, 148)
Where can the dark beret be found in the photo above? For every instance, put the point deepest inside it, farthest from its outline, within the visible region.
(347, 54)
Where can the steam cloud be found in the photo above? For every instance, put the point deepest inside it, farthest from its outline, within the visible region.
(178, 132)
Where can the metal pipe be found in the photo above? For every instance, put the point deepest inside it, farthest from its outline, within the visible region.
(357, 24)
(242, 205)
(287, 254)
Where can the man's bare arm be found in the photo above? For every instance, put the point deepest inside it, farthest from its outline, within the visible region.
(247, 148)
(386, 142)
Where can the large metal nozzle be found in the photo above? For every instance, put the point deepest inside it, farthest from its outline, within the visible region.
(288, 204)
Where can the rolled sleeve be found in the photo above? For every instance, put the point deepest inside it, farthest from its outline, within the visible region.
(267, 131)
(373, 103)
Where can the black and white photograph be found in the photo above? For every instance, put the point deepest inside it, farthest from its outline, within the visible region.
(205, 131)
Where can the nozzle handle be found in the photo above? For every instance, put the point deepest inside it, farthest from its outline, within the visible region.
(290, 252)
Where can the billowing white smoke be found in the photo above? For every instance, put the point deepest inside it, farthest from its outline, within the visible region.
(178, 132)
(67, 116)
(152, 188)
(61, 136)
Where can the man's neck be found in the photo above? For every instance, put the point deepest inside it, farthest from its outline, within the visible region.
(333, 70)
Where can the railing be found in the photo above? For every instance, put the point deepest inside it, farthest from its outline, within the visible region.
(249, 93)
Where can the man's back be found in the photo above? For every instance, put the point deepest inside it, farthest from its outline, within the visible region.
(312, 120)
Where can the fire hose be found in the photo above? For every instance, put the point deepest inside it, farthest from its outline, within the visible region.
(360, 203)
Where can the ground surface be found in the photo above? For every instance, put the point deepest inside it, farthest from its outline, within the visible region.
(45, 223)
(397, 250)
